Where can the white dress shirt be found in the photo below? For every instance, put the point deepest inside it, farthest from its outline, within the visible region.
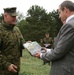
(47, 51)
(70, 17)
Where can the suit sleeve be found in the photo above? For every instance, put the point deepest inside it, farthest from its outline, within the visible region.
(64, 45)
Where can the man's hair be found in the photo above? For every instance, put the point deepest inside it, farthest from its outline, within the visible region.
(46, 33)
(68, 4)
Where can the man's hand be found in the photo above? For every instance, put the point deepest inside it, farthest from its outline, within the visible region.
(37, 55)
(12, 68)
(47, 45)
(43, 49)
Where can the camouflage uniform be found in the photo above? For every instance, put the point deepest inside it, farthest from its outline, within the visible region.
(48, 41)
(10, 46)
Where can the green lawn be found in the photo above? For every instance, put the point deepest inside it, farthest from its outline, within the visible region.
(33, 66)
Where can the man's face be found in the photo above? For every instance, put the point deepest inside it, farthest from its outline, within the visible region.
(62, 14)
(10, 19)
(47, 35)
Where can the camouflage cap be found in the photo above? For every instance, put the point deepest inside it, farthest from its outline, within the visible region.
(11, 11)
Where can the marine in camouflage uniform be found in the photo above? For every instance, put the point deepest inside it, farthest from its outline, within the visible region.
(11, 41)
(47, 41)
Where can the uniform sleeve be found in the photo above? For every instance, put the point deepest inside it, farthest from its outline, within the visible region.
(3, 60)
(64, 45)
(21, 38)
(22, 41)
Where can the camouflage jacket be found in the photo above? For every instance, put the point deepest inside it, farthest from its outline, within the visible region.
(11, 42)
(47, 40)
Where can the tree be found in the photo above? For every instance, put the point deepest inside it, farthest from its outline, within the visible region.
(38, 22)
(20, 16)
(55, 23)
(1, 18)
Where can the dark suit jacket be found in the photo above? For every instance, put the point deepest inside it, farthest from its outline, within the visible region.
(62, 56)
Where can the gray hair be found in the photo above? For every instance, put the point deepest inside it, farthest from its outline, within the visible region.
(68, 4)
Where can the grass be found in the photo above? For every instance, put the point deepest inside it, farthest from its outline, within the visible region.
(32, 66)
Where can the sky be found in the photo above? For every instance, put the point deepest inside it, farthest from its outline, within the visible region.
(24, 5)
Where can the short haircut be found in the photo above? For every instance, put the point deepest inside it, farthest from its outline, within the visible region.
(68, 4)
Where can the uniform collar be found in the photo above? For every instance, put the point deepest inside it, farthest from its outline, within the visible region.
(8, 26)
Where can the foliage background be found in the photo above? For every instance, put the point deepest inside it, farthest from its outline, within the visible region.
(33, 66)
(37, 22)
(33, 27)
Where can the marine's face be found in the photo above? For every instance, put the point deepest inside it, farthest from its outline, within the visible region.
(10, 19)
(62, 14)
(47, 35)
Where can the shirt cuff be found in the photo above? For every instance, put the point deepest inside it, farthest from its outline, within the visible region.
(48, 51)
(40, 55)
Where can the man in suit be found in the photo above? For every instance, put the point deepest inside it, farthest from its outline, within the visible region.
(62, 56)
